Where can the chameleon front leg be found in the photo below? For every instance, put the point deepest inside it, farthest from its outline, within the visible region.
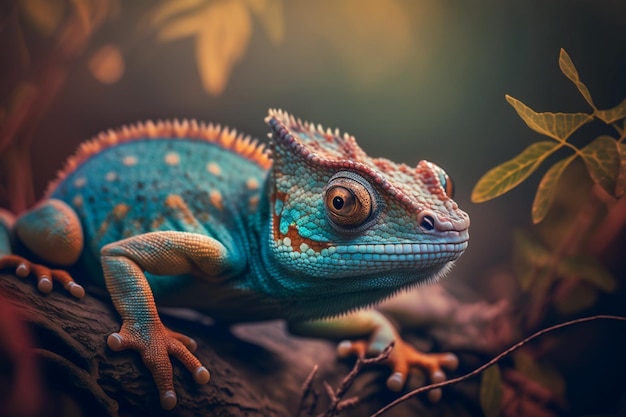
(374, 332)
(52, 231)
(159, 253)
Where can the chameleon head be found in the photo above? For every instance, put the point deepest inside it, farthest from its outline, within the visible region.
(356, 222)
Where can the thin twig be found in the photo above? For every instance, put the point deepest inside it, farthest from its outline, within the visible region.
(337, 403)
(494, 360)
(308, 390)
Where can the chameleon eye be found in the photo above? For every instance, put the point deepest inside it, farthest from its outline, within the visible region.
(447, 184)
(445, 181)
(349, 203)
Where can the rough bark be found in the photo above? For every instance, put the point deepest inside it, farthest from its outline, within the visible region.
(256, 370)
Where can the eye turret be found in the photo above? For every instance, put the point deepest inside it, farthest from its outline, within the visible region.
(349, 201)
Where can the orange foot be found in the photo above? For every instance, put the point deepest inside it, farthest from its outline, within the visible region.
(45, 276)
(155, 343)
(404, 357)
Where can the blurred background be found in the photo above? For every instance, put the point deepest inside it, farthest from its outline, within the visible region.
(412, 80)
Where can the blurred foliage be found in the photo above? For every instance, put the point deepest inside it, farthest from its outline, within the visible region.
(221, 29)
(491, 391)
(558, 268)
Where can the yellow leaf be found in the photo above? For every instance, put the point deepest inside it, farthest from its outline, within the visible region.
(568, 68)
(558, 126)
(603, 161)
(171, 8)
(272, 16)
(620, 185)
(44, 15)
(508, 175)
(547, 189)
(221, 42)
(107, 64)
(491, 391)
(612, 115)
(188, 25)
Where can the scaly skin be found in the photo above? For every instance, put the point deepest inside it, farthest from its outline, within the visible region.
(187, 214)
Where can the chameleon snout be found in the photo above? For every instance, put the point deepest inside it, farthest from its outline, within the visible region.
(436, 222)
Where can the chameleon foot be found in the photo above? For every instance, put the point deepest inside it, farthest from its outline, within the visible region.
(404, 357)
(45, 276)
(155, 343)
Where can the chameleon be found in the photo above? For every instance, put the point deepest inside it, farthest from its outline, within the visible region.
(182, 213)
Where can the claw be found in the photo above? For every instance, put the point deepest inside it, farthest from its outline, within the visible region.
(44, 284)
(115, 342)
(402, 358)
(22, 270)
(155, 343)
(44, 275)
(168, 400)
(201, 375)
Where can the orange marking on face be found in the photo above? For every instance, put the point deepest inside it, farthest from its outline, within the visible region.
(292, 232)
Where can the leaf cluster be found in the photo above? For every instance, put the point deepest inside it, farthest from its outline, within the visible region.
(221, 29)
(604, 156)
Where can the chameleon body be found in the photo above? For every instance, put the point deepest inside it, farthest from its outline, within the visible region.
(196, 215)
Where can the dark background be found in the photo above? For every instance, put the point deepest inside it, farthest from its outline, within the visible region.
(411, 80)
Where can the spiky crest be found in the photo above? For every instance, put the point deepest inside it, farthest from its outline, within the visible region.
(229, 139)
(329, 148)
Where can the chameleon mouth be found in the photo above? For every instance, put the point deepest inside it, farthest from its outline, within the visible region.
(403, 248)
(423, 253)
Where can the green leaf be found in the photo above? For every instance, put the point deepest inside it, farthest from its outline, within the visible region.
(568, 68)
(603, 161)
(612, 115)
(588, 270)
(508, 175)
(547, 189)
(620, 186)
(558, 126)
(491, 391)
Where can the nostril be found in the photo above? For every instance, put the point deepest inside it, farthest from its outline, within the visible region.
(427, 222)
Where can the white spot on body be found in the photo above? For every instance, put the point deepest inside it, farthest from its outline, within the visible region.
(172, 158)
(77, 201)
(252, 183)
(130, 160)
(110, 176)
(80, 182)
(213, 168)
